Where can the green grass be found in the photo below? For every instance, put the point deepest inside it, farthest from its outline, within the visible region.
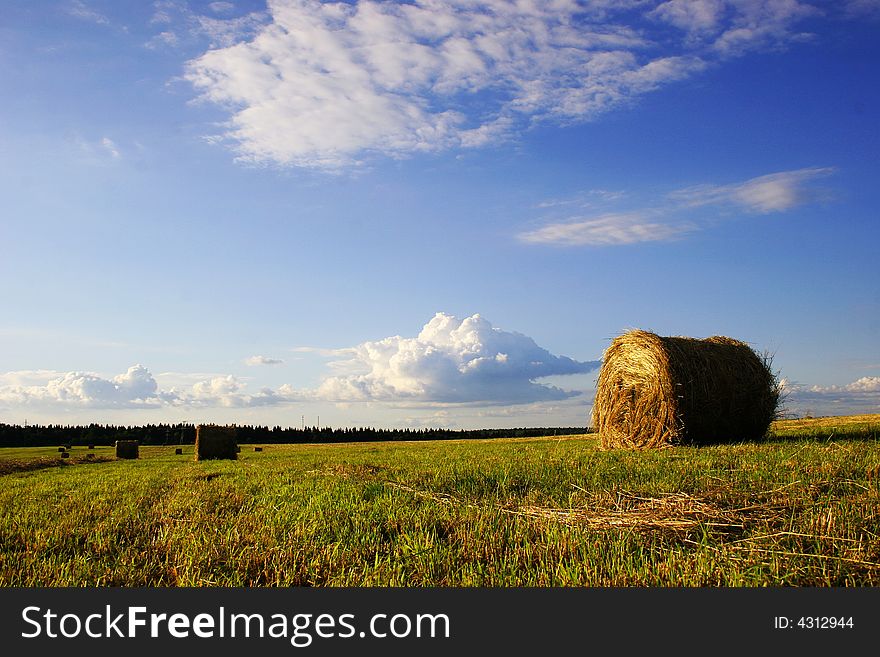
(800, 509)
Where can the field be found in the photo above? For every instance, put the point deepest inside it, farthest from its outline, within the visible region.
(800, 509)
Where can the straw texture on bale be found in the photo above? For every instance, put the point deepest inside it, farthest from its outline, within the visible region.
(658, 391)
(215, 442)
(127, 449)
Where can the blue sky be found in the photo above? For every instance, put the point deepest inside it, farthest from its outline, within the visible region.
(432, 213)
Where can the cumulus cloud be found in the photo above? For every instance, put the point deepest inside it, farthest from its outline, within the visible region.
(255, 361)
(136, 388)
(860, 396)
(664, 219)
(325, 84)
(451, 361)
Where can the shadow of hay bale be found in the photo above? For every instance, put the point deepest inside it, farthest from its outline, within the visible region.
(658, 391)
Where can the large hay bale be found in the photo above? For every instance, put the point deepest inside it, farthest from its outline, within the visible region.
(658, 391)
(215, 442)
(127, 449)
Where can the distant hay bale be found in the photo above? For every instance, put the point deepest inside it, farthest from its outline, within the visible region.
(91, 447)
(65, 455)
(215, 442)
(658, 391)
(178, 451)
(127, 449)
(258, 449)
(61, 449)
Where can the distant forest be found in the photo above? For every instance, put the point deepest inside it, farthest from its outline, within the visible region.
(13, 435)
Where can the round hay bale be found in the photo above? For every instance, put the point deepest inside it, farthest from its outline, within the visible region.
(658, 391)
(215, 442)
(127, 449)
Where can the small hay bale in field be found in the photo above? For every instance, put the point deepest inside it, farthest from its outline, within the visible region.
(65, 455)
(215, 442)
(178, 451)
(61, 449)
(658, 391)
(127, 449)
(91, 447)
(258, 449)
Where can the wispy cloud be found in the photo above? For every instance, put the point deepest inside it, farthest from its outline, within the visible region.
(181, 25)
(221, 7)
(326, 85)
(776, 192)
(82, 11)
(98, 151)
(607, 230)
(255, 361)
(110, 147)
(667, 219)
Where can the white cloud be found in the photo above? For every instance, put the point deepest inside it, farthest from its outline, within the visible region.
(99, 152)
(864, 384)
(181, 25)
(860, 396)
(663, 221)
(451, 361)
(607, 230)
(324, 85)
(110, 147)
(762, 24)
(327, 84)
(221, 7)
(776, 192)
(695, 16)
(136, 388)
(163, 39)
(254, 361)
(82, 11)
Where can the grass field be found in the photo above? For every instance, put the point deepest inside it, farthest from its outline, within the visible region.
(800, 509)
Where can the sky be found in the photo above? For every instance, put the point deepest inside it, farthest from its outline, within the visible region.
(433, 213)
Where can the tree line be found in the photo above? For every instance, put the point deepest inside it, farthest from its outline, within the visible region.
(36, 435)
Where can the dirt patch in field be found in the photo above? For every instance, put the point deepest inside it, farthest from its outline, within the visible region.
(27, 465)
